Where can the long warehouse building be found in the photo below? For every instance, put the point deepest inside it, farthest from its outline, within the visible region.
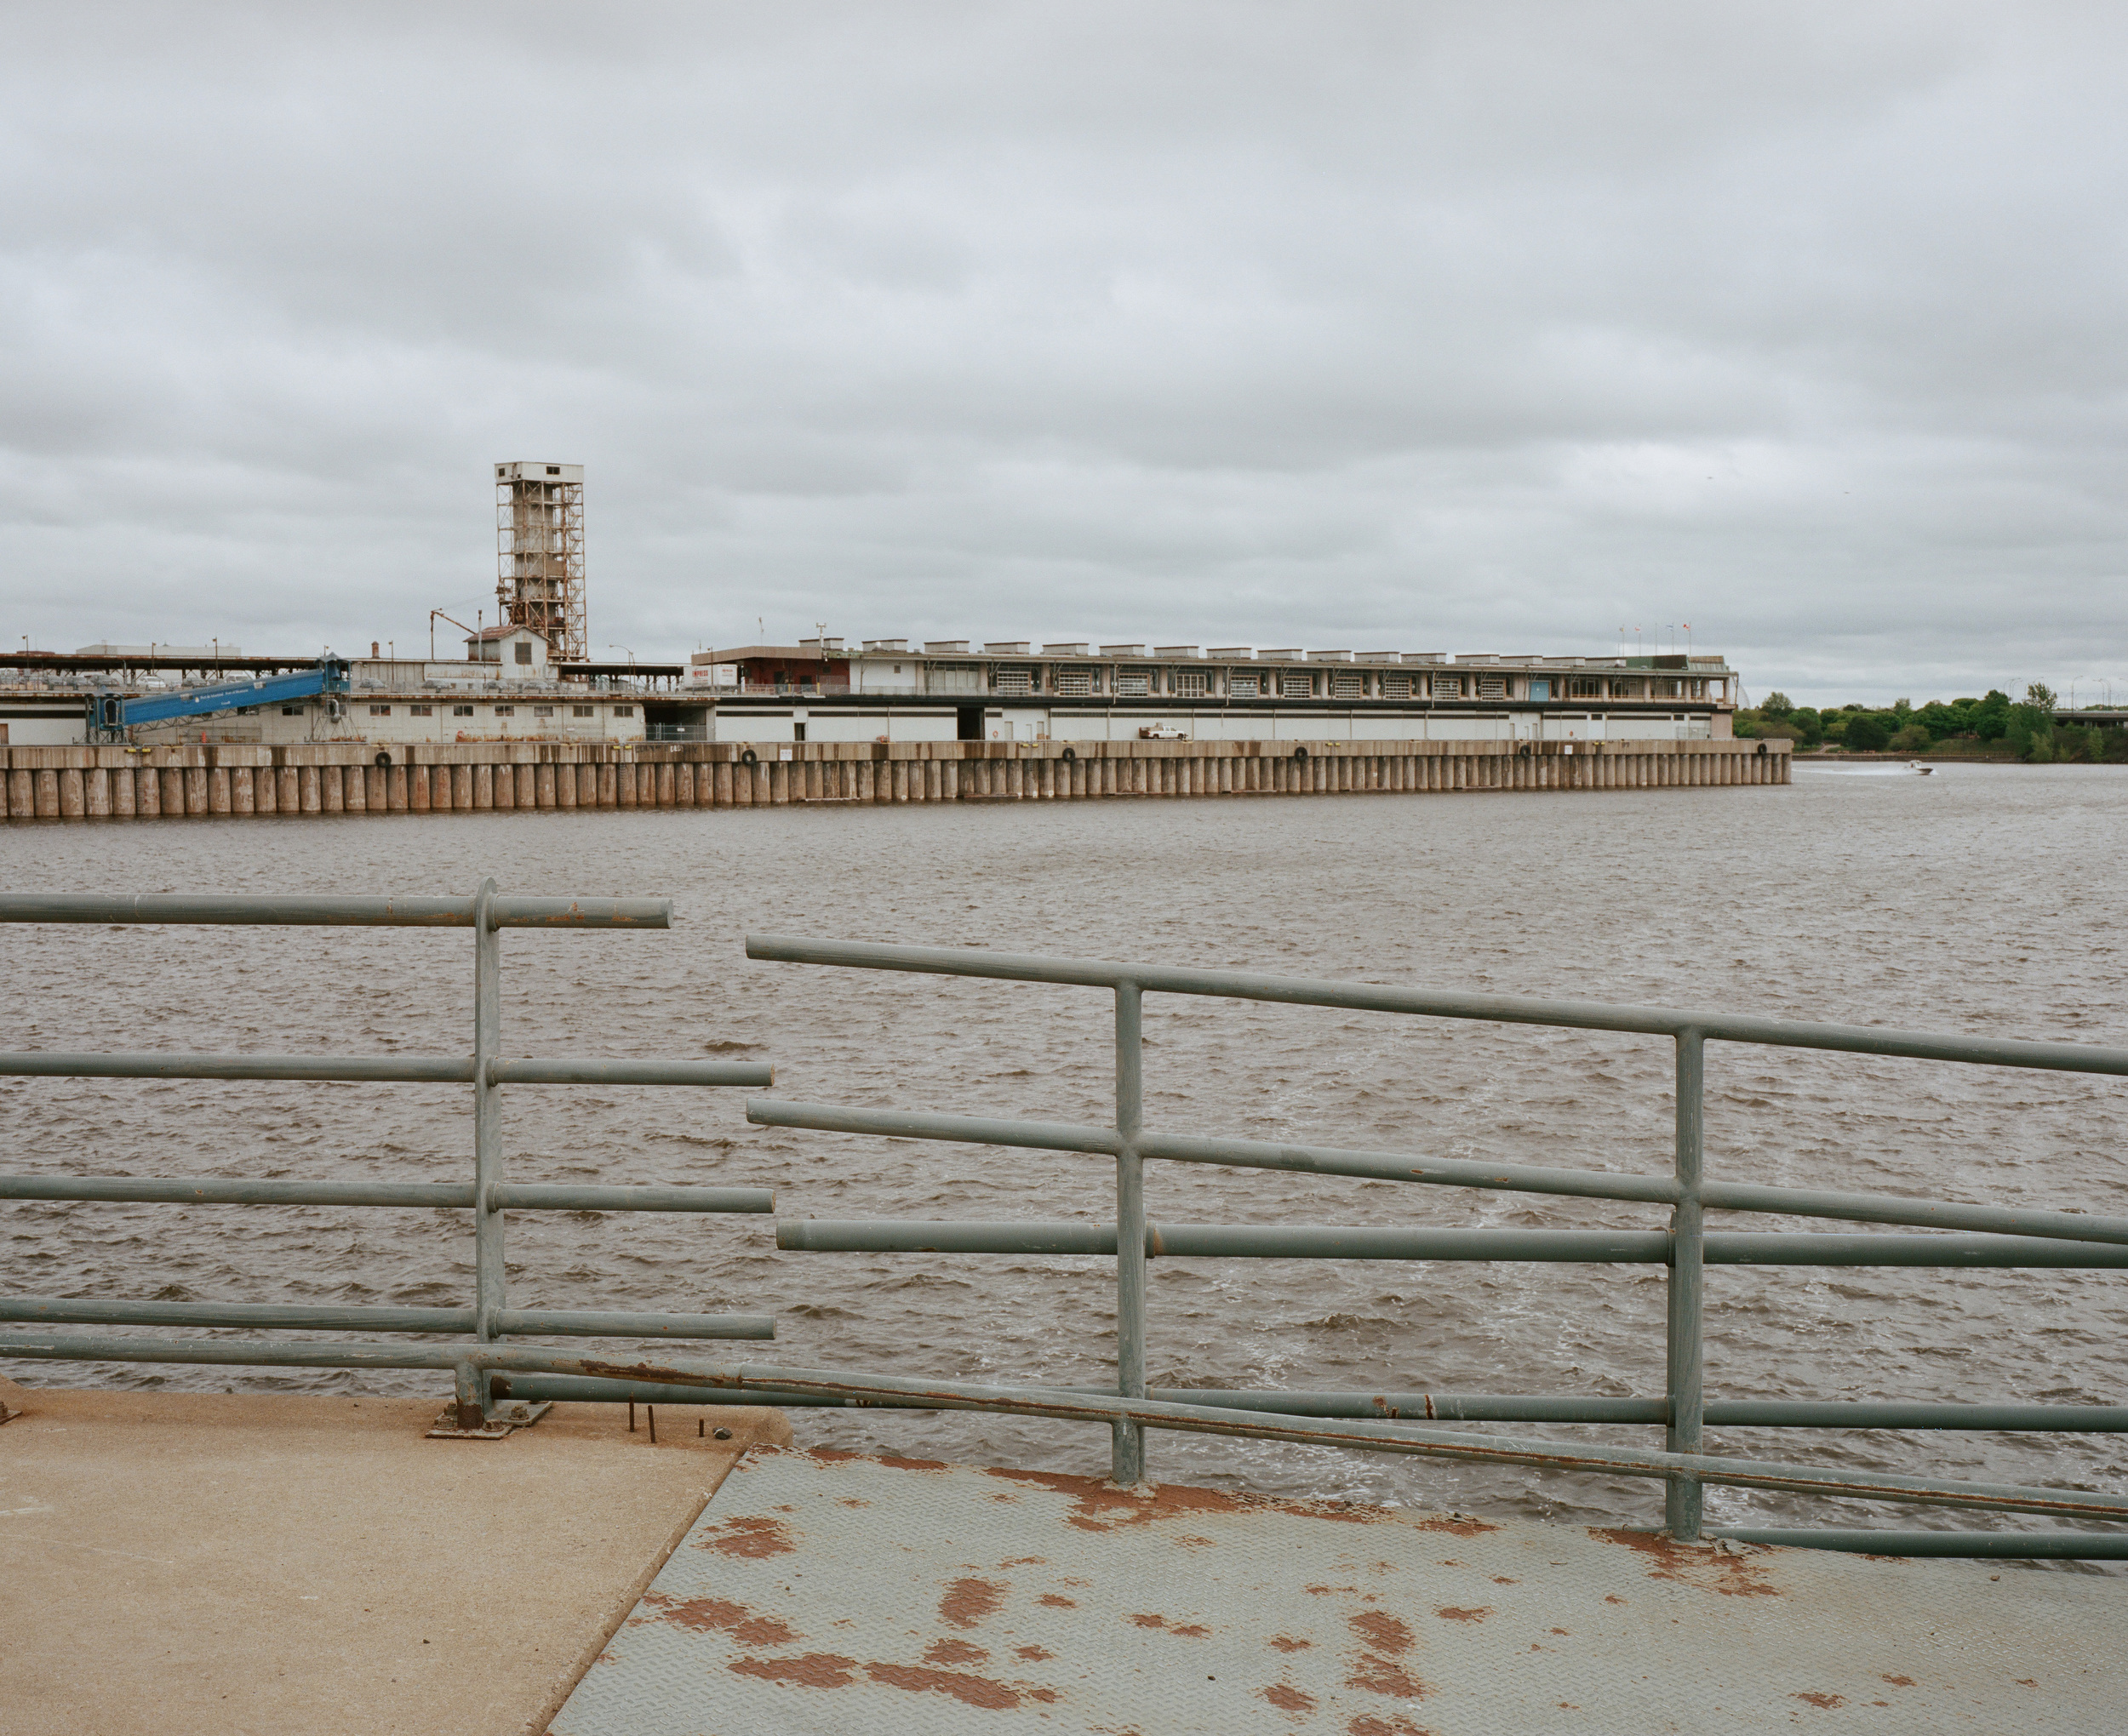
(818, 690)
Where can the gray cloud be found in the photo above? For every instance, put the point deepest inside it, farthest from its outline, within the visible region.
(1457, 327)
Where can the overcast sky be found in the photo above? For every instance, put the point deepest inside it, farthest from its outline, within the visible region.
(1460, 328)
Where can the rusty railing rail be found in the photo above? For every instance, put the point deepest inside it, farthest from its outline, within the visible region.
(1990, 1235)
(489, 1319)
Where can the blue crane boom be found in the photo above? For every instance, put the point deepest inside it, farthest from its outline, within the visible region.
(117, 712)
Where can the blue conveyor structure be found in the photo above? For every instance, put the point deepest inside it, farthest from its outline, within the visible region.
(116, 712)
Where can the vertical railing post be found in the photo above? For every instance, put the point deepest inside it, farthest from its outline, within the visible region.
(1688, 1287)
(487, 1275)
(472, 1413)
(1127, 1456)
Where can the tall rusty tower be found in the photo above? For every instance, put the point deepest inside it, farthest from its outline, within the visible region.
(540, 554)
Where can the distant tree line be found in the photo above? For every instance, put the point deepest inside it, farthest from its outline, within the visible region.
(2026, 728)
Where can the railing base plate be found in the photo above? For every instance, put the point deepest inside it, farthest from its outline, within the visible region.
(500, 1423)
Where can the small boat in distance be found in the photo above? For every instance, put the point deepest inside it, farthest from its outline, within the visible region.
(1865, 769)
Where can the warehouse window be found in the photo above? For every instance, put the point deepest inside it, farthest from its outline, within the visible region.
(381, 710)
(1347, 687)
(506, 711)
(585, 710)
(542, 711)
(624, 710)
(291, 711)
(421, 710)
(1245, 687)
(1396, 686)
(1190, 683)
(1136, 683)
(462, 710)
(1448, 687)
(1295, 684)
(1014, 680)
(1492, 687)
(524, 651)
(1625, 689)
(1584, 687)
(1076, 683)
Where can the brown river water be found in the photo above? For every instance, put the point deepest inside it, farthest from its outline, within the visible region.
(1980, 899)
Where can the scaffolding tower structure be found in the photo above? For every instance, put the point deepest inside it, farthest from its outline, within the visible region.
(540, 554)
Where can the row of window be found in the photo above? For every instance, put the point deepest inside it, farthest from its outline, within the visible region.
(1341, 684)
(469, 710)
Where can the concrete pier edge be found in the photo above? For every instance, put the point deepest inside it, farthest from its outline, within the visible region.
(217, 782)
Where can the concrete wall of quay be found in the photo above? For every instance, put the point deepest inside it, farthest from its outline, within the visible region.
(243, 781)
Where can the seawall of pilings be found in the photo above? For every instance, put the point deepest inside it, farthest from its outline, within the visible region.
(206, 781)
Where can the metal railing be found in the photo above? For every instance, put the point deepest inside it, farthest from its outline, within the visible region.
(487, 1195)
(488, 1368)
(1986, 1236)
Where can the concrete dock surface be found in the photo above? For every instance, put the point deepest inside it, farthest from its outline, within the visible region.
(180, 1563)
(235, 1563)
(824, 1592)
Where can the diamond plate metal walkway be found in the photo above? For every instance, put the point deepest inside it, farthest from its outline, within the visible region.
(821, 1591)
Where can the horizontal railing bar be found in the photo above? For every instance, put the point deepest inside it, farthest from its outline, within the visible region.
(564, 1322)
(1987, 1545)
(517, 912)
(1063, 1136)
(1429, 1407)
(1898, 1413)
(1224, 1241)
(1788, 1201)
(522, 1321)
(419, 1070)
(1475, 1408)
(1318, 1242)
(1053, 1402)
(1785, 1414)
(560, 1071)
(517, 1196)
(1515, 1009)
(862, 1235)
(422, 1070)
(583, 1390)
(509, 911)
(1539, 1407)
(1512, 1178)
(218, 1192)
(567, 1196)
(1443, 1172)
(264, 1315)
(1892, 1209)
(238, 1352)
(1831, 1249)
(918, 1124)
